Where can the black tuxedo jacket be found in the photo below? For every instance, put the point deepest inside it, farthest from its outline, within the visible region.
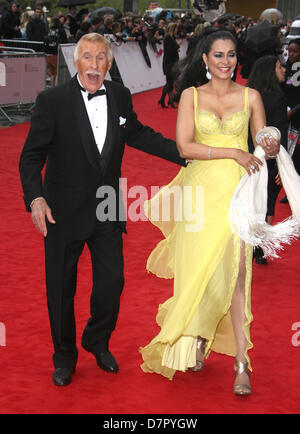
(61, 136)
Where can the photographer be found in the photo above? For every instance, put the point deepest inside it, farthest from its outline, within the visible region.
(106, 29)
(116, 36)
(155, 37)
(140, 33)
(127, 31)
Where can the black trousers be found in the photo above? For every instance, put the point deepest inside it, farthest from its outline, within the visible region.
(296, 158)
(106, 249)
(273, 188)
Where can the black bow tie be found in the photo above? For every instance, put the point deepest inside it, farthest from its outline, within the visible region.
(92, 95)
(97, 93)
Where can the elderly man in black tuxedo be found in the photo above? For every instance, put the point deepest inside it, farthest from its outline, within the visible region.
(79, 130)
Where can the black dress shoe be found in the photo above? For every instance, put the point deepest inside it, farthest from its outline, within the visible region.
(259, 256)
(106, 361)
(62, 376)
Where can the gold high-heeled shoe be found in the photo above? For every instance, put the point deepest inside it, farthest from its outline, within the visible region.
(199, 355)
(241, 389)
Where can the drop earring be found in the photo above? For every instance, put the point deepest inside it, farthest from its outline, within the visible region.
(208, 74)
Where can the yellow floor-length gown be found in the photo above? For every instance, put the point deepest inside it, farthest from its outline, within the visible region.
(202, 255)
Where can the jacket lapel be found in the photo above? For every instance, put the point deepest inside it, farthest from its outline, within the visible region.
(85, 128)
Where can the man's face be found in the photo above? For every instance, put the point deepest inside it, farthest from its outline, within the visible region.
(92, 65)
(294, 52)
(14, 7)
(38, 13)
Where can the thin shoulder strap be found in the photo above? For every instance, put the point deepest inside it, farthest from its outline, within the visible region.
(195, 99)
(246, 108)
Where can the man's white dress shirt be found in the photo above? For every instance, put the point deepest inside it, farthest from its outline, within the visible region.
(97, 112)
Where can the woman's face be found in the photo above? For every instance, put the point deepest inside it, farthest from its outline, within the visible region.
(280, 72)
(221, 59)
(294, 52)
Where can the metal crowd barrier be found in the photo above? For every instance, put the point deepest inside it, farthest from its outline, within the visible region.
(34, 46)
(5, 50)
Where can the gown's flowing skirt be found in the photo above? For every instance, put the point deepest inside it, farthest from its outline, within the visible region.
(202, 255)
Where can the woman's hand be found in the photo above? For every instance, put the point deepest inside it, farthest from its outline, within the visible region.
(270, 146)
(249, 161)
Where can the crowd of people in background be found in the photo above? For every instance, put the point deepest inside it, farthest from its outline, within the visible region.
(34, 24)
(162, 33)
(38, 25)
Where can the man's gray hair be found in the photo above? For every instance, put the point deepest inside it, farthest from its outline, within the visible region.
(94, 37)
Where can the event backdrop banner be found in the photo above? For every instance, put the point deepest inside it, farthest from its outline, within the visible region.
(135, 73)
(25, 78)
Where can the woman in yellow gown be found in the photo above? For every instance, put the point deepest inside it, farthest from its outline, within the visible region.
(211, 305)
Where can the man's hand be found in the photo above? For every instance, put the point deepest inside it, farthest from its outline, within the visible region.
(40, 210)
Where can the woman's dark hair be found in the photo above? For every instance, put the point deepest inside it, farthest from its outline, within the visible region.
(191, 70)
(263, 75)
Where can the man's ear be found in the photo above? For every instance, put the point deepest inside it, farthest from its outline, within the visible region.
(109, 65)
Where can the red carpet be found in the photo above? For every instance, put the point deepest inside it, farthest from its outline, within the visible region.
(25, 362)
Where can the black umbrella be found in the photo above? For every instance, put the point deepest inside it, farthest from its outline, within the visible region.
(68, 3)
(106, 10)
(262, 36)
